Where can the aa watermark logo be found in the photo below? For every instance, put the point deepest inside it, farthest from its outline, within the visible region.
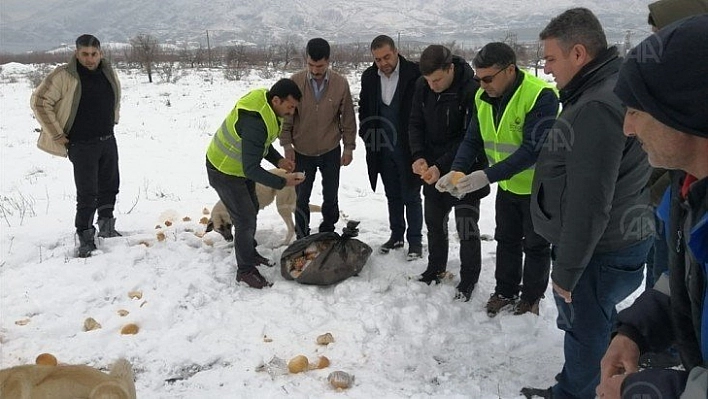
(560, 137)
(649, 50)
(379, 134)
(467, 221)
(638, 223)
(642, 390)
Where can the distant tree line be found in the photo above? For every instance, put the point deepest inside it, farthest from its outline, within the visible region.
(146, 53)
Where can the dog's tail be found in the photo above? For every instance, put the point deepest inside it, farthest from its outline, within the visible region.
(123, 385)
(315, 208)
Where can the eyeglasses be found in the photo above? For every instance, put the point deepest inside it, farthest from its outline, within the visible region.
(490, 78)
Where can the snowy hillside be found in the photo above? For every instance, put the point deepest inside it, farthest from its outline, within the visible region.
(47, 24)
(201, 334)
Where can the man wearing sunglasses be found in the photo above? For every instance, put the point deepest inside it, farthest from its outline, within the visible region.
(514, 112)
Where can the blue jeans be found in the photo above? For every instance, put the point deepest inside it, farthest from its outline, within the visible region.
(328, 164)
(607, 280)
(402, 192)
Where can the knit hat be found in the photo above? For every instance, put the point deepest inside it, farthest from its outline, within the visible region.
(666, 75)
(664, 12)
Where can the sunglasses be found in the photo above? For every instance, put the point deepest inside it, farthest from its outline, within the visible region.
(490, 78)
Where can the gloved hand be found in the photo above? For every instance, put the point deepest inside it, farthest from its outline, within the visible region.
(445, 182)
(472, 182)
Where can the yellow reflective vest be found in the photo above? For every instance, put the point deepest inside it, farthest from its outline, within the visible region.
(225, 150)
(502, 140)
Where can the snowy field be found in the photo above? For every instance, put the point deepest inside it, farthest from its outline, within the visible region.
(202, 335)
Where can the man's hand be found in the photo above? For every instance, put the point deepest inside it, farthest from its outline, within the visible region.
(567, 295)
(290, 154)
(293, 179)
(63, 140)
(444, 184)
(286, 164)
(347, 158)
(621, 358)
(472, 182)
(420, 166)
(432, 175)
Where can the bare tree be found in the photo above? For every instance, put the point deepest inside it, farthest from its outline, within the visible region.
(288, 52)
(145, 51)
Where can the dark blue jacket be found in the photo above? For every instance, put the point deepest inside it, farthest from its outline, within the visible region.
(676, 313)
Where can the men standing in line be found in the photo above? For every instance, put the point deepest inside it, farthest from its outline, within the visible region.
(234, 166)
(384, 109)
(588, 198)
(667, 112)
(515, 110)
(443, 104)
(77, 106)
(311, 136)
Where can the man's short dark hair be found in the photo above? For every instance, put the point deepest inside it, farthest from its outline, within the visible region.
(494, 54)
(87, 41)
(382, 40)
(576, 26)
(317, 49)
(435, 57)
(284, 88)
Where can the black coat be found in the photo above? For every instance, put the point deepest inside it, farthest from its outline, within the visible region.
(369, 113)
(439, 121)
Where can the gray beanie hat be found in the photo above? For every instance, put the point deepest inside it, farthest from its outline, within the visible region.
(666, 75)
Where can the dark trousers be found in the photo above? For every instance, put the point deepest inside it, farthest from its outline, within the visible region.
(239, 197)
(437, 210)
(96, 177)
(522, 255)
(402, 195)
(328, 164)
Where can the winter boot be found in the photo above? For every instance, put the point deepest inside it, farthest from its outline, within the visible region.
(392, 243)
(497, 302)
(86, 243)
(431, 275)
(107, 228)
(530, 393)
(524, 306)
(252, 278)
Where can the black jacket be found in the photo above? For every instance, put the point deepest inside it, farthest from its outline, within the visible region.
(369, 113)
(439, 121)
(588, 190)
(661, 317)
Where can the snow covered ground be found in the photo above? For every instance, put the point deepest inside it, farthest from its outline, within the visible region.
(202, 335)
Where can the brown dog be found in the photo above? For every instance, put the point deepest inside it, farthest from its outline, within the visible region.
(67, 382)
(285, 200)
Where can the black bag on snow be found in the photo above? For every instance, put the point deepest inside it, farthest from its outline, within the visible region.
(325, 258)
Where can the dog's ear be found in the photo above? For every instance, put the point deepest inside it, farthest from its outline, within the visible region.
(210, 226)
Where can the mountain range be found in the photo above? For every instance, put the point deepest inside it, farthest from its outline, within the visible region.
(34, 25)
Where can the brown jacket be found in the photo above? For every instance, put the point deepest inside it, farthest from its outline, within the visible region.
(317, 128)
(56, 101)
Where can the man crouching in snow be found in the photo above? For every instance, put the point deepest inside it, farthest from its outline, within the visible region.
(234, 166)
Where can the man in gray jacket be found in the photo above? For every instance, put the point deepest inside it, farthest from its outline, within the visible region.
(588, 198)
